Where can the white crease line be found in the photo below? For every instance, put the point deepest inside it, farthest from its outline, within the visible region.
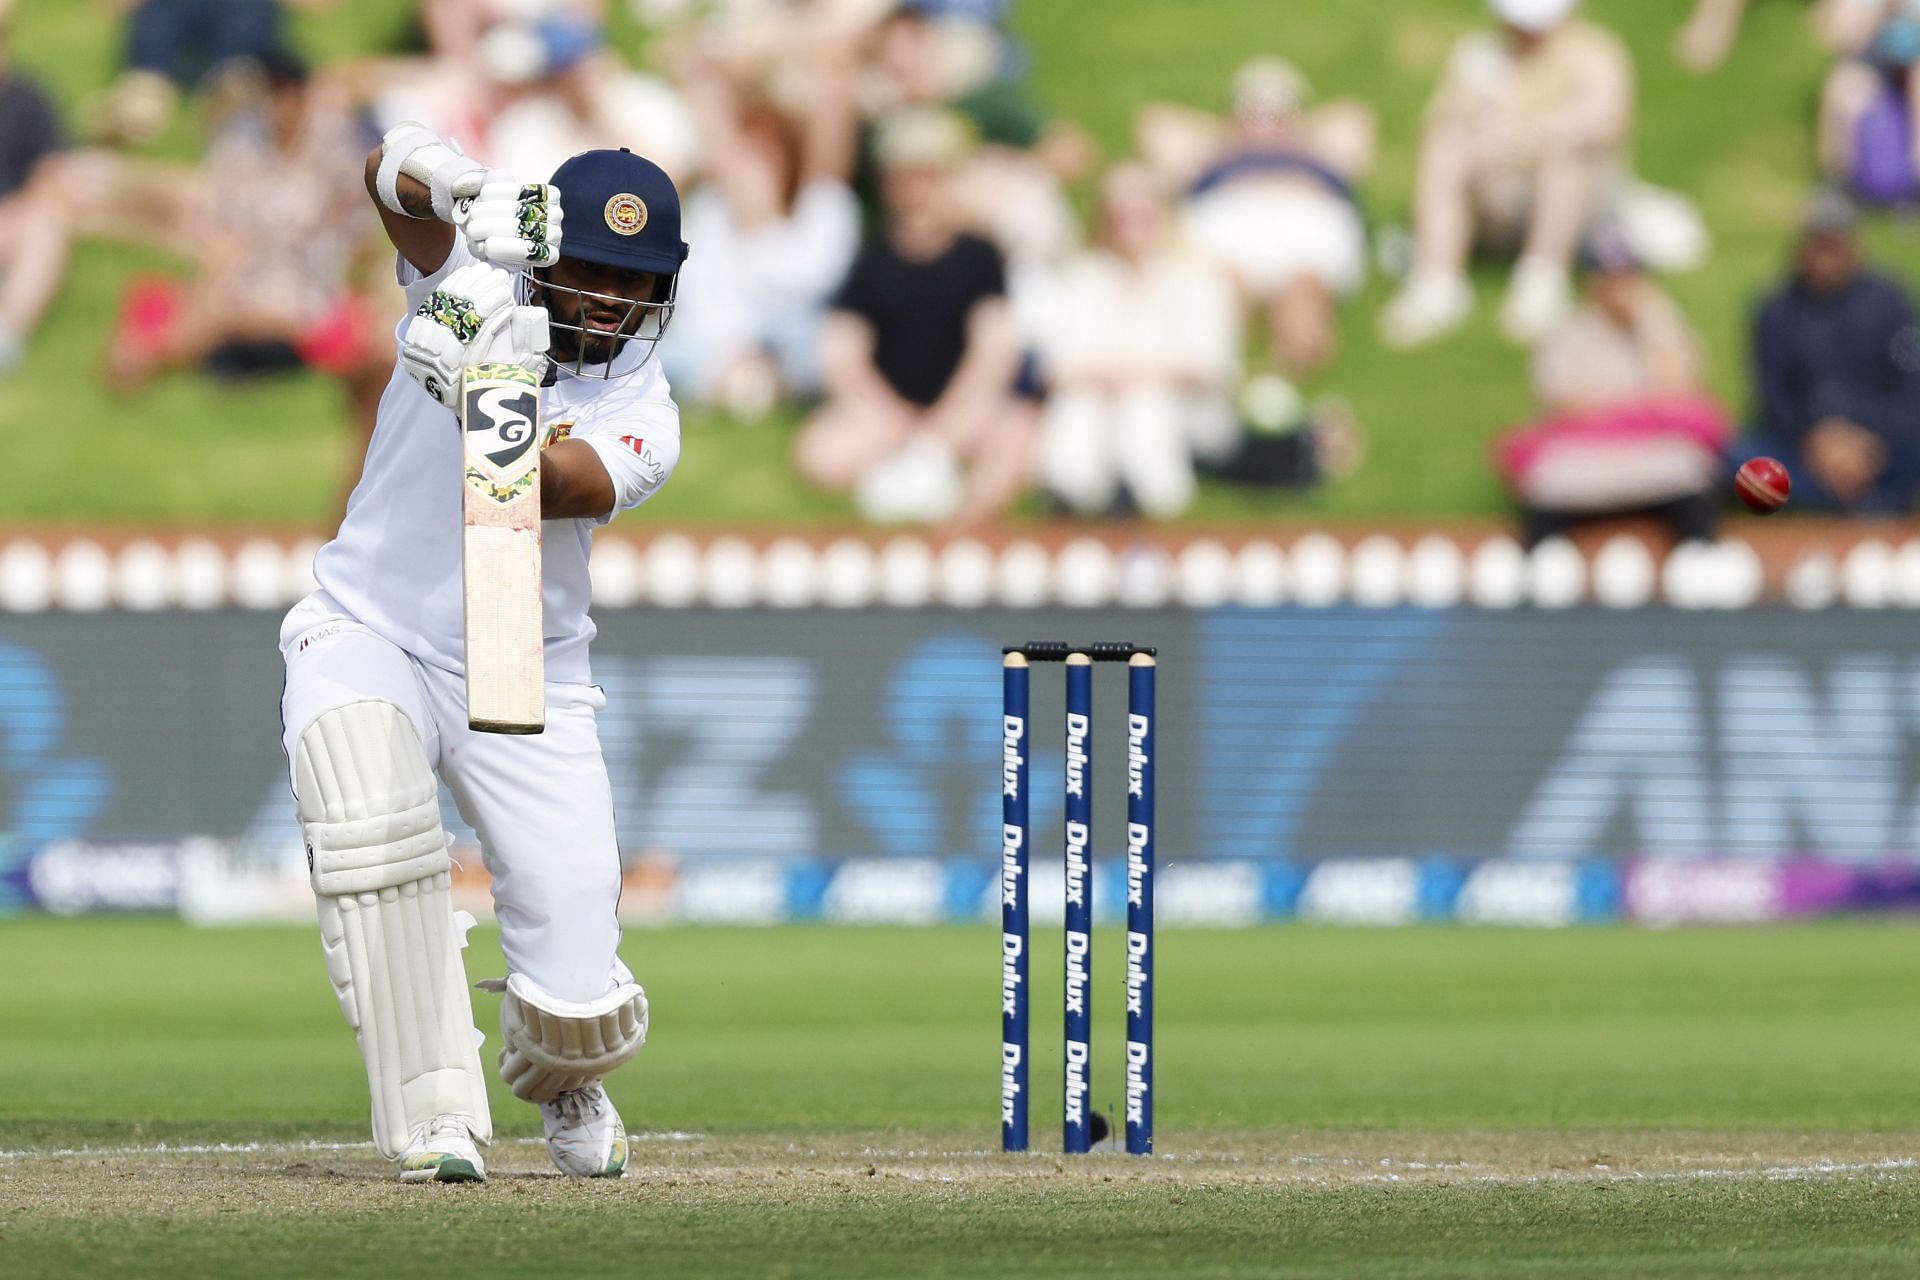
(279, 1148)
(1775, 1173)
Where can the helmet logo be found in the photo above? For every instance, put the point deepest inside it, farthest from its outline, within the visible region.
(626, 214)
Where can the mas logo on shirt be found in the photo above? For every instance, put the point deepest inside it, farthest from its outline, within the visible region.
(655, 472)
(556, 433)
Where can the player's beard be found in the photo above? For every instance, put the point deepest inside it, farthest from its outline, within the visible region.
(590, 345)
(576, 342)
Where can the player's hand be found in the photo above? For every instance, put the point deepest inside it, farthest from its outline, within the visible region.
(513, 224)
(456, 325)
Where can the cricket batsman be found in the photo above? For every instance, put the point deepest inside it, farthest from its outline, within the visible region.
(573, 278)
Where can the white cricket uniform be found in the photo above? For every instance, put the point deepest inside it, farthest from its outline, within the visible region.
(387, 622)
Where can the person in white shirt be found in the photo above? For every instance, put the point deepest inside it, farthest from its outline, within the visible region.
(1132, 403)
(778, 225)
(375, 703)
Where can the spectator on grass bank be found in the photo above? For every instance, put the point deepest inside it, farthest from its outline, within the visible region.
(1270, 196)
(1524, 142)
(273, 275)
(523, 84)
(1131, 400)
(1627, 425)
(1836, 358)
(922, 419)
(175, 45)
(777, 225)
(1867, 138)
(29, 133)
(1013, 192)
(559, 90)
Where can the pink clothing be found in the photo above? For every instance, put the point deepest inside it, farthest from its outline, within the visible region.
(1627, 455)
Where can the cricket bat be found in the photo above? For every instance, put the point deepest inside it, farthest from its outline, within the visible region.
(500, 549)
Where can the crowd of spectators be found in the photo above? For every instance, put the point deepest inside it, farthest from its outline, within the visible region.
(885, 233)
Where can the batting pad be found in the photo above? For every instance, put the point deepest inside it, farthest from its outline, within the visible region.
(381, 881)
(550, 1045)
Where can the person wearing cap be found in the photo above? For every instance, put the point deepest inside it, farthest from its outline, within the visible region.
(1836, 368)
(1524, 142)
(574, 279)
(1627, 425)
(919, 353)
(1272, 200)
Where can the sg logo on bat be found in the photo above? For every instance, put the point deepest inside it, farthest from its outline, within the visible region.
(502, 418)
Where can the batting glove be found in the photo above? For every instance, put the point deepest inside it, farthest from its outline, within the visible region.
(448, 329)
(511, 223)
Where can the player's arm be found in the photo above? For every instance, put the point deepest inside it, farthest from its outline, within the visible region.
(574, 484)
(611, 465)
(415, 233)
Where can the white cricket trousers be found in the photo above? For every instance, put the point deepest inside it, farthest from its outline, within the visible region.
(540, 803)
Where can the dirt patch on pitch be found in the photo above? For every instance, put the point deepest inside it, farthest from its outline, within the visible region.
(327, 1179)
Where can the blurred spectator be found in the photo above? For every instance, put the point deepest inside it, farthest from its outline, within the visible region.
(1866, 132)
(1523, 141)
(271, 274)
(1131, 399)
(1836, 359)
(523, 84)
(176, 44)
(776, 226)
(919, 354)
(1013, 192)
(29, 133)
(1708, 36)
(1270, 195)
(1628, 425)
(561, 91)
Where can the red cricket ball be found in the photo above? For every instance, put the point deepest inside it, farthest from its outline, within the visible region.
(1762, 485)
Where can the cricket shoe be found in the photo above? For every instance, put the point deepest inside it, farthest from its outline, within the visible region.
(443, 1153)
(584, 1134)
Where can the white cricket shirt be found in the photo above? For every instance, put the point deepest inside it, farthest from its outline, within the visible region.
(395, 564)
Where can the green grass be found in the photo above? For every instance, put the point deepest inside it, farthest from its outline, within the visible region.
(1421, 1102)
(1856, 1230)
(849, 1030)
(1739, 142)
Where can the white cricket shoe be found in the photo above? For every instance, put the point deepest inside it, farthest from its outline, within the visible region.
(1431, 303)
(584, 1134)
(443, 1153)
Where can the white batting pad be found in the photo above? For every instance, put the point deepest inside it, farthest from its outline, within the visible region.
(380, 878)
(550, 1045)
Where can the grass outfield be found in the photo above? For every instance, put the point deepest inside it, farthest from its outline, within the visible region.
(820, 1102)
(1740, 142)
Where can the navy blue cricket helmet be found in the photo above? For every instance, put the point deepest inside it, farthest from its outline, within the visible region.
(620, 210)
(617, 210)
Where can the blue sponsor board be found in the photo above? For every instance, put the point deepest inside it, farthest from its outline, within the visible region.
(1351, 764)
(77, 877)
(1192, 894)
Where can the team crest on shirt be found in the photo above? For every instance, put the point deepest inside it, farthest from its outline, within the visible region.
(626, 214)
(556, 433)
